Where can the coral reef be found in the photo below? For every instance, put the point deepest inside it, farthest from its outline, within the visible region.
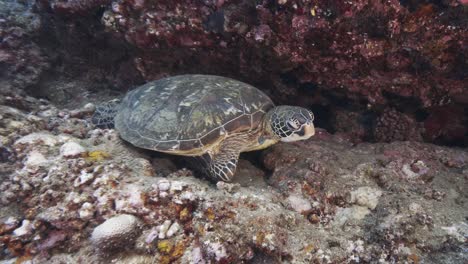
(115, 232)
(357, 56)
(387, 71)
(75, 7)
(22, 61)
(70, 196)
(395, 126)
(446, 125)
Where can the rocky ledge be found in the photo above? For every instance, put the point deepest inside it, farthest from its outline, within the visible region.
(70, 193)
(365, 67)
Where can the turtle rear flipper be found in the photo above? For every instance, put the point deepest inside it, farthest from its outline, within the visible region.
(104, 115)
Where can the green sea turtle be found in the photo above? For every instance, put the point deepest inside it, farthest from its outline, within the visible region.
(204, 115)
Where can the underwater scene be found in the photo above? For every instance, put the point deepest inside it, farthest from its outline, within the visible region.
(233, 131)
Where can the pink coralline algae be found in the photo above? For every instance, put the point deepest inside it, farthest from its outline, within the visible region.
(164, 24)
(367, 48)
(368, 53)
(21, 60)
(445, 125)
(74, 7)
(395, 126)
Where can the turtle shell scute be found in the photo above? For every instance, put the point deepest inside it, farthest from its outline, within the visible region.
(185, 114)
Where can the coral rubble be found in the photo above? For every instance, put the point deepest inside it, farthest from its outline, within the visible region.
(67, 197)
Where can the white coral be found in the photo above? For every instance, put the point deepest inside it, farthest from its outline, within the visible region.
(35, 159)
(72, 149)
(87, 211)
(175, 227)
(40, 137)
(168, 229)
(216, 249)
(299, 203)
(116, 231)
(26, 228)
(366, 196)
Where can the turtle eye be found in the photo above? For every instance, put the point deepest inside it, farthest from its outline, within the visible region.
(293, 124)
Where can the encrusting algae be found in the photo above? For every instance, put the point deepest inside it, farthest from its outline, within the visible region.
(97, 155)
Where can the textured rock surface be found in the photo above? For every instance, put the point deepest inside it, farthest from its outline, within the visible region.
(371, 71)
(21, 60)
(324, 200)
(115, 232)
(392, 64)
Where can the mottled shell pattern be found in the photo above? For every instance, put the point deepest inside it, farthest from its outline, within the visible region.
(189, 114)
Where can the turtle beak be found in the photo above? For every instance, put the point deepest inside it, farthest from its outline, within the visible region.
(309, 130)
(304, 133)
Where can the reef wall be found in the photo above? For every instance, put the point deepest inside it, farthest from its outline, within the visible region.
(364, 66)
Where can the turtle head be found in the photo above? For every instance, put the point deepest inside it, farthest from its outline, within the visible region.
(291, 123)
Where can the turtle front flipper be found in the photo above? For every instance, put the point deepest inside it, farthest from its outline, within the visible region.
(223, 163)
(104, 115)
(223, 168)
